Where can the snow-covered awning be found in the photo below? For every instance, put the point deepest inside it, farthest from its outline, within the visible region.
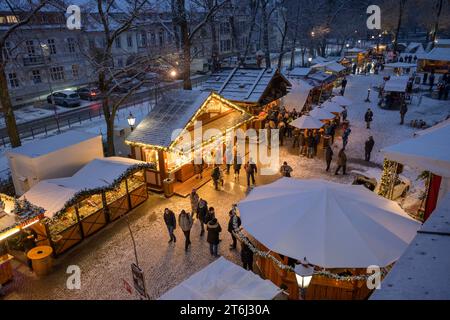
(396, 84)
(400, 65)
(53, 194)
(297, 96)
(428, 151)
(223, 280)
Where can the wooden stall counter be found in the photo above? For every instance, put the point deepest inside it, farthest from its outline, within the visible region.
(6, 273)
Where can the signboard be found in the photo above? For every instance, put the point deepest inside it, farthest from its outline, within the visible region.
(138, 280)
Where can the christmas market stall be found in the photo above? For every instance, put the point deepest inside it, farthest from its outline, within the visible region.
(334, 68)
(356, 56)
(78, 206)
(393, 93)
(15, 216)
(437, 60)
(323, 84)
(195, 127)
(299, 97)
(428, 151)
(322, 234)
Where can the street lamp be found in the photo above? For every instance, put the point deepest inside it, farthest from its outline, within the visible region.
(303, 274)
(131, 121)
(173, 73)
(368, 96)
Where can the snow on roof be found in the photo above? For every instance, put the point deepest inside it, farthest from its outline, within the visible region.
(422, 271)
(396, 84)
(415, 47)
(437, 54)
(45, 146)
(223, 280)
(400, 65)
(297, 96)
(298, 72)
(171, 113)
(331, 66)
(240, 84)
(442, 42)
(428, 151)
(52, 194)
(321, 76)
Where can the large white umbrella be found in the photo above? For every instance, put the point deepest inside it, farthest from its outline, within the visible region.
(332, 107)
(342, 101)
(333, 225)
(307, 122)
(321, 114)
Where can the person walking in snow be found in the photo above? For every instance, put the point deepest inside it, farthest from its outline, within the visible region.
(171, 223)
(286, 170)
(403, 111)
(342, 162)
(185, 221)
(214, 230)
(234, 221)
(343, 85)
(202, 212)
(368, 146)
(344, 114)
(237, 166)
(250, 169)
(345, 137)
(328, 156)
(368, 117)
(194, 198)
(246, 256)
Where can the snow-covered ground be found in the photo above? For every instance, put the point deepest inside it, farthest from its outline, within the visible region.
(105, 257)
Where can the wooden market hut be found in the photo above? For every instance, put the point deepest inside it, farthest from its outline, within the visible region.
(78, 206)
(166, 136)
(252, 88)
(437, 60)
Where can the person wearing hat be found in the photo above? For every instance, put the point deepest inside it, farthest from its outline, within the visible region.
(368, 147)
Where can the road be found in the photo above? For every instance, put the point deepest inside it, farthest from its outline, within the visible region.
(64, 119)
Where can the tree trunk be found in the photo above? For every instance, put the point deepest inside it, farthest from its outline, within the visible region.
(110, 135)
(215, 47)
(186, 44)
(175, 26)
(399, 23)
(265, 20)
(5, 101)
(235, 46)
(283, 39)
(436, 24)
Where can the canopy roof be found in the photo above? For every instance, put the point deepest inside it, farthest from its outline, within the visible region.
(400, 65)
(427, 151)
(321, 114)
(298, 72)
(307, 122)
(342, 101)
(298, 95)
(223, 280)
(330, 65)
(330, 106)
(333, 225)
(437, 54)
(396, 84)
(52, 194)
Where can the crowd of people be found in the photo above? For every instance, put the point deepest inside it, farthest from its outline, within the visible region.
(206, 217)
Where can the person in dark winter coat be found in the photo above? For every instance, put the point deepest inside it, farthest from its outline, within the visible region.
(171, 223)
(403, 111)
(316, 141)
(185, 221)
(302, 143)
(431, 80)
(202, 212)
(210, 215)
(237, 166)
(215, 175)
(246, 257)
(234, 221)
(250, 169)
(368, 147)
(332, 130)
(328, 156)
(344, 114)
(342, 162)
(345, 137)
(214, 230)
(368, 117)
(343, 85)
(286, 170)
(194, 198)
(310, 143)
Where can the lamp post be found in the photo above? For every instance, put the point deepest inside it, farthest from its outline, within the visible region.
(368, 96)
(309, 61)
(131, 121)
(303, 274)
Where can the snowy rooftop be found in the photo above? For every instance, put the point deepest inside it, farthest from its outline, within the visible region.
(440, 54)
(298, 72)
(396, 84)
(331, 65)
(422, 271)
(240, 84)
(52, 194)
(45, 146)
(321, 76)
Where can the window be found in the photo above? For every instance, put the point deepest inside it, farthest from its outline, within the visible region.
(7, 50)
(71, 45)
(143, 38)
(57, 73)
(225, 28)
(51, 46)
(13, 81)
(129, 41)
(36, 76)
(225, 45)
(118, 43)
(30, 47)
(75, 70)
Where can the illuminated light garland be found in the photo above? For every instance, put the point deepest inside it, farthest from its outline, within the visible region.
(90, 192)
(266, 254)
(25, 211)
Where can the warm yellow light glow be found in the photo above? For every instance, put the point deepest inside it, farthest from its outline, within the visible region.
(173, 73)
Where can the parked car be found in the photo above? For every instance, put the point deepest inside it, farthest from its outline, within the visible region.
(66, 98)
(89, 93)
(371, 180)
